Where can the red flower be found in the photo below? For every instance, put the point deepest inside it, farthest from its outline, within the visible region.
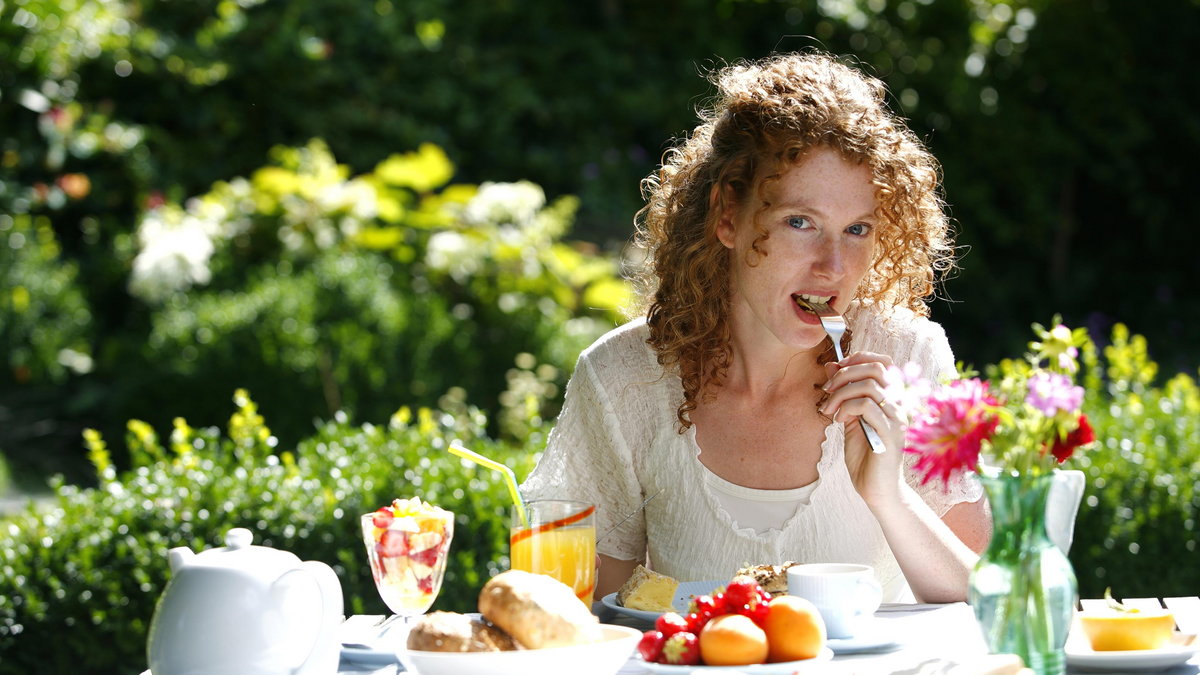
(1083, 434)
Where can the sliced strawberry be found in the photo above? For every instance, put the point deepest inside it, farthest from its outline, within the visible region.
(392, 544)
(383, 517)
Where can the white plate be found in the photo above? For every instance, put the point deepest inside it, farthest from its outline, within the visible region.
(602, 658)
(784, 668)
(1081, 655)
(683, 598)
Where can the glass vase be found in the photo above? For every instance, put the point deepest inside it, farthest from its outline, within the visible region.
(1023, 589)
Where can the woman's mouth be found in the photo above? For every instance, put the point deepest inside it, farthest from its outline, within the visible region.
(807, 302)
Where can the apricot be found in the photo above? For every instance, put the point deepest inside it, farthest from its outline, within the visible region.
(794, 628)
(732, 640)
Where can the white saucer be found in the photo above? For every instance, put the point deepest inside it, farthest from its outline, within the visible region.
(683, 598)
(1081, 655)
(866, 641)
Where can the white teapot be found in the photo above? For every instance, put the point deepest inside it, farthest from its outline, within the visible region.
(245, 610)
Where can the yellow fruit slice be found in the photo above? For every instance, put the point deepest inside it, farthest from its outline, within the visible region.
(1109, 631)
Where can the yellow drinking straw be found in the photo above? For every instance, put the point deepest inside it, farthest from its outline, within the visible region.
(510, 478)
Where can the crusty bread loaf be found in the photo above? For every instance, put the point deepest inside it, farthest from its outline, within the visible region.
(539, 611)
(454, 632)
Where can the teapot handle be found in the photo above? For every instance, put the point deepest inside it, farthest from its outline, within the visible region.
(323, 657)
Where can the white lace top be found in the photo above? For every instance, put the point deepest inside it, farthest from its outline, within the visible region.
(617, 442)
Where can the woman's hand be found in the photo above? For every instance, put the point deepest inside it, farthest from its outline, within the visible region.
(856, 389)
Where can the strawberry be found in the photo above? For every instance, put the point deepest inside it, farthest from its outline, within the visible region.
(740, 591)
(671, 623)
(651, 645)
(681, 649)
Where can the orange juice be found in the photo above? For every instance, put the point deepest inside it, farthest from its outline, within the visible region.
(559, 541)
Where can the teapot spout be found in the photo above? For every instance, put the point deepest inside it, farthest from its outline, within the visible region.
(179, 557)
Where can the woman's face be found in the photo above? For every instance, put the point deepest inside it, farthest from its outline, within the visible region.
(821, 221)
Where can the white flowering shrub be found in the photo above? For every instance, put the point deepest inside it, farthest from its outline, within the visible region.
(327, 291)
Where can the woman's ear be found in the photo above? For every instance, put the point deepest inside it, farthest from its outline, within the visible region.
(721, 203)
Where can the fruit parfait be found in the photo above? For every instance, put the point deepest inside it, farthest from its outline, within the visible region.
(407, 543)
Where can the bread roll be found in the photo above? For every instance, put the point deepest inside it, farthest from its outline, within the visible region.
(454, 632)
(539, 611)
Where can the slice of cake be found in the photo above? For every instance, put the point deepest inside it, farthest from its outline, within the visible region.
(772, 578)
(648, 591)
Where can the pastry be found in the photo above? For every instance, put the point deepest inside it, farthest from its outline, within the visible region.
(648, 591)
(772, 578)
(539, 611)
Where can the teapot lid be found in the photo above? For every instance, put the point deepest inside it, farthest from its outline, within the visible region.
(240, 554)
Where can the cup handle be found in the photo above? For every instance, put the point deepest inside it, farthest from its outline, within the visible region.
(870, 596)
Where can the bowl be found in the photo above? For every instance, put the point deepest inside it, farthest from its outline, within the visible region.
(1113, 630)
(605, 657)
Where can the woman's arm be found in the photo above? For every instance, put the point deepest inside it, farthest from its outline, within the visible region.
(935, 554)
(612, 573)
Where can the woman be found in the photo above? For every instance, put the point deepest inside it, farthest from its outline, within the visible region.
(723, 402)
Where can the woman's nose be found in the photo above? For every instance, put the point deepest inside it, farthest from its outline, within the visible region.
(830, 259)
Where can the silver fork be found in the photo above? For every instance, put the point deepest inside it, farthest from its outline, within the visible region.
(835, 327)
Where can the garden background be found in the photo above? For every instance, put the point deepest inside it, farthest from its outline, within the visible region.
(276, 254)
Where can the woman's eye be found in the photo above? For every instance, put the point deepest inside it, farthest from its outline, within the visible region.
(860, 229)
(799, 222)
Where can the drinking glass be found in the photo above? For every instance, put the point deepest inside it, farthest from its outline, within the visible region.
(558, 540)
(408, 558)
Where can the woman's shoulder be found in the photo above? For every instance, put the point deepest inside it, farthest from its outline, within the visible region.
(902, 334)
(623, 366)
(625, 343)
(880, 320)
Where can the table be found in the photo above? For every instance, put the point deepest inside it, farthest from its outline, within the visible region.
(934, 640)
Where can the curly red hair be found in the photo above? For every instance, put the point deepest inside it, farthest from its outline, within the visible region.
(766, 117)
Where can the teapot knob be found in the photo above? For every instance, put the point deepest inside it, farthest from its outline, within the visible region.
(238, 538)
(179, 556)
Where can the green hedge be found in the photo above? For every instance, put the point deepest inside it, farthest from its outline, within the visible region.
(92, 567)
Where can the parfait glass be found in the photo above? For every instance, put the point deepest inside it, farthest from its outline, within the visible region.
(407, 554)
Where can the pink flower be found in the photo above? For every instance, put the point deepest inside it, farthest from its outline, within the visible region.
(1052, 392)
(948, 434)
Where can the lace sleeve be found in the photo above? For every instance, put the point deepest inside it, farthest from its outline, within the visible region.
(588, 459)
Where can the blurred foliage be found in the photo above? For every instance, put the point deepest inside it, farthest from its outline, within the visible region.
(1137, 525)
(334, 292)
(111, 109)
(45, 323)
(94, 565)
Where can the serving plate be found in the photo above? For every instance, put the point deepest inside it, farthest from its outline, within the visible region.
(782, 668)
(683, 598)
(602, 658)
(1080, 655)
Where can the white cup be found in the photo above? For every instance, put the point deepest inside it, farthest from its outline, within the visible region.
(842, 592)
